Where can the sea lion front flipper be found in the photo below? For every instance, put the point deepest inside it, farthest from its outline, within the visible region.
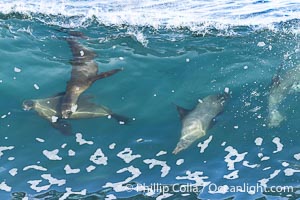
(105, 74)
(182, 111)
(63, 126)
(120, 118)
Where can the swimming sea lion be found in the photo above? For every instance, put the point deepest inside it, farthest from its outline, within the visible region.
(84, 74)
(282, 85)
(49, 109)
(196, 122)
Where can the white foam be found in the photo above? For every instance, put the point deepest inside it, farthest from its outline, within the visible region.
(246, 164)
(82, 141)
(179, 161)
(90, 168)
(279, 145)
(112, 146)
(185, 195)
(99, 158)
(52, 180)
(232, 175)
(52, 155)
(5, 187)
(263, 182)
(17, 70)
(127, 156)
(262, 157)
(233, 153)
(10, 158)
(226, 90)
(71, 152)
(35, 167)
(170, 14)
(290, 171)
(164, 196)
(40, 140)
(258, 141)
(266, 168)
(69, 170)
(203, 145)
(261, 44)
(119, 186)
(13, 171)
(196, 176)
(285, 164)
(110, 197)
(297, 156)
(69, 192)
(5, 148)
(34, 185)
(153, 162)
(140, 140)
(161, 153)
(36, 86)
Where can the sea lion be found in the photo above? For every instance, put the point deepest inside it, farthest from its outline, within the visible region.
(196, 122)
(281, 86)
(84, 74)
(49, 109)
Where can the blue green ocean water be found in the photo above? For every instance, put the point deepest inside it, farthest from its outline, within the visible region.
(163, 65)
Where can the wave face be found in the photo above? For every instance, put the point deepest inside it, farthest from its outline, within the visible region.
(194, 14)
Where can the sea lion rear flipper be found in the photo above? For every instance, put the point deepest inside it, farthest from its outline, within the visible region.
(105, 74)
(63, 126)
(182, 111)
(120, 118)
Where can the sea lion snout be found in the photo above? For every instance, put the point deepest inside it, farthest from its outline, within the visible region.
(68, 110)
(66, 114)
(27, 105)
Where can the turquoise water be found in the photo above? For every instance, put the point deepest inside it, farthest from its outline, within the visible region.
(162, 67)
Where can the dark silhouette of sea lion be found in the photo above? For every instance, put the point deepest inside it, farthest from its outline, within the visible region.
(196, 122)
(49, 109)
(84, 74)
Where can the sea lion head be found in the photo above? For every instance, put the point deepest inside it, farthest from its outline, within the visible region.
(28, 105)
(67, 110)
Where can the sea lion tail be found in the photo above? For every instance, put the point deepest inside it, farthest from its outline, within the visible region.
(120, 118)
